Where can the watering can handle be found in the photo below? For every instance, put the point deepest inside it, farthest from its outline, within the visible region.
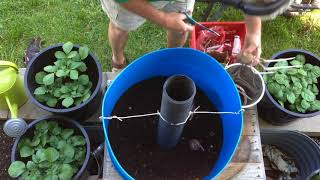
(9, 64)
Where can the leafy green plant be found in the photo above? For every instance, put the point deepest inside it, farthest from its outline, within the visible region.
(64, 82)
(295, 88)
(52, 153)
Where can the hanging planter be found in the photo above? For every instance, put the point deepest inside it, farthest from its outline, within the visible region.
(293, 93)
(65, 79)
(249, 82)
(200, 147)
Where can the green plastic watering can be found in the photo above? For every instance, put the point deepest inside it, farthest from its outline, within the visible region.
(12, 96)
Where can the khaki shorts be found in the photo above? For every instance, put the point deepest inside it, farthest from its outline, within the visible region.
(130, 21)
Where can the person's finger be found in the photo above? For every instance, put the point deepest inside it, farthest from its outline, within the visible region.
(189, 27)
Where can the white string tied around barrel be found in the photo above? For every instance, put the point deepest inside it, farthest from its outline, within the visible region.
(121, 118)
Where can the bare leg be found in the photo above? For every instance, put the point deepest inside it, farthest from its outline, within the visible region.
(176, 39)
(118, 39)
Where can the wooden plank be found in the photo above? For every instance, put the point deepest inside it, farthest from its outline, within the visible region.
(310, 126)
(251, 126)
(4, 114)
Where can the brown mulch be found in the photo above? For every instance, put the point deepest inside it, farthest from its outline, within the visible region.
(6, 143)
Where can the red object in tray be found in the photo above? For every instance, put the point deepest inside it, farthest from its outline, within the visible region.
(229, 30)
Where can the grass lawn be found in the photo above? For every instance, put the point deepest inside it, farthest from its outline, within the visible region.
(83, 22)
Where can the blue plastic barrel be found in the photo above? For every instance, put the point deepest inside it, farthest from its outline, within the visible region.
(207, 74)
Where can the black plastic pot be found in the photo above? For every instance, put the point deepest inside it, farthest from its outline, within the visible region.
(94, 71)
(301, 148)
(64, 122)
(269, 109)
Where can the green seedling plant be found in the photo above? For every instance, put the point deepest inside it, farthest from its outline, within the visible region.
(53, 153)
(65, 81)
(295, 88)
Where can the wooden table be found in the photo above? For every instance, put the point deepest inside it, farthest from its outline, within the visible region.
(246, 164)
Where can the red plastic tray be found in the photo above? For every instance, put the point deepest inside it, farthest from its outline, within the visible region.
(239, 29)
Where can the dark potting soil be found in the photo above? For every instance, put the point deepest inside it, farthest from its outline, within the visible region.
(134, 140)
(6, 144)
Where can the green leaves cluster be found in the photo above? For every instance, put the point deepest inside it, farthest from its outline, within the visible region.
(64, 81)
(52, 153)
(295, 88)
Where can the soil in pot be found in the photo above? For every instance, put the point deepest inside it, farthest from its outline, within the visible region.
(134, 141)
(6, 143)
(278, 164)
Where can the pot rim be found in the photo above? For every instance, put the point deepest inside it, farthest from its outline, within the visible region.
(260, 77)
(64, 110)
(65, 119)
(297, 114)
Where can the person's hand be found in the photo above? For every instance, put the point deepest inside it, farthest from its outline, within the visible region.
(175, 21)
(252, 49)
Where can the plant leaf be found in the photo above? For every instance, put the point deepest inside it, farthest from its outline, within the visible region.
(61, 73)
(35, 142)
(48, 79)
(66, 172)
(26, 151)
(16, 168)
(72, 54)
(75, 65)
(305, 104)
(281, 79)
(295, 63)
(292, 71)
(83, 52)
(67, 102)
(40, 91)
(66, 133)
(291, 97)
(74, 74)
(31, 165)
(302, 72)
(40, 155)
(50, 69)
(51, 154)
(56, 131)
(43, 139)
(82, 67)
(86, 97)
(308, 95)
(60, 55)
(52, 102)
(61, 144)
(300, 58)
(68, 151)
(83, 79)
(42, 126)
(78, 140)
(51, 177)
(39, 77)
(67, 47)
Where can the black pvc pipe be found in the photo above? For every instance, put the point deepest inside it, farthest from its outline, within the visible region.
(177, 101)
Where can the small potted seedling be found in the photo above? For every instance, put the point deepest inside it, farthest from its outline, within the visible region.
(65, 79)
(52, 148)
(294, 92)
